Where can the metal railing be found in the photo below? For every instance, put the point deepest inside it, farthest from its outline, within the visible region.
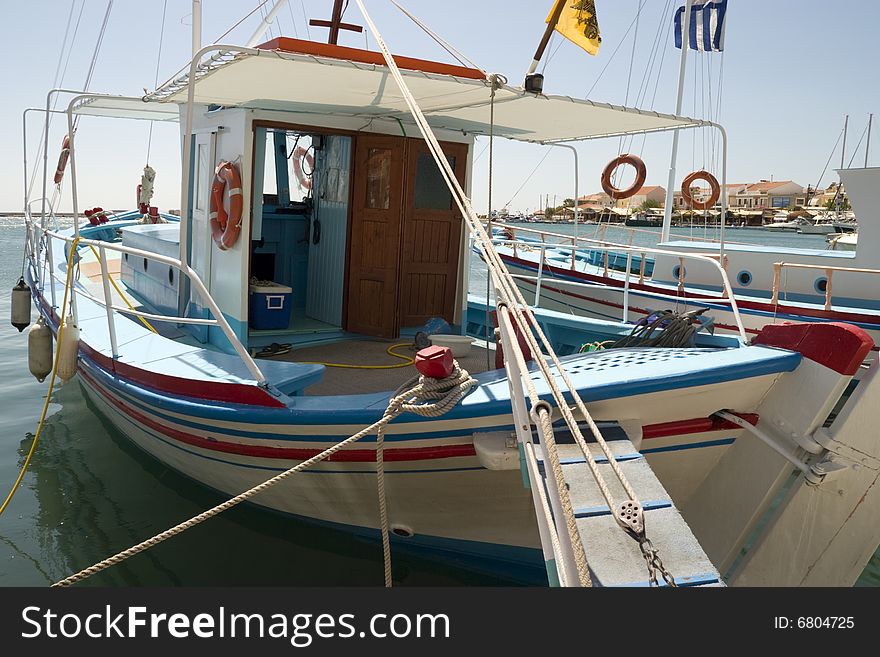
(569, 242)
(829, 273)
(218, 319)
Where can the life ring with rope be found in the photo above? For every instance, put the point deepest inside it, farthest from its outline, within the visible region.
(641, 173)
(62, 160)
(226, 227)
(301, 155)
(714, 187)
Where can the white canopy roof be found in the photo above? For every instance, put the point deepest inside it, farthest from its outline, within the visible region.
(275, 80)
(126, 108)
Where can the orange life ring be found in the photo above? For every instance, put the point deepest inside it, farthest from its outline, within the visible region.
(304, 179)
(641, 173)
(225, 228)
(62, 160)
(689, 180)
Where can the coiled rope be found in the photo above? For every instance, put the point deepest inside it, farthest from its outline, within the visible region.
(421, 395)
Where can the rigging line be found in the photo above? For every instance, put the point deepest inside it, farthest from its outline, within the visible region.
(646, 77)
(241, 20)
(95, 54)
(665, 39)
(264, 13)
(292, 20)
(828, 161)
(448, 47)
(480, 154)
(559, 43)
(55, 99)
(632, 58)
(305, 19)
(632, 61)
(856, 149)
(156, 77)
(529, 177)
(610, 59)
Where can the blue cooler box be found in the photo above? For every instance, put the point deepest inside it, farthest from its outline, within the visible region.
(269, 306)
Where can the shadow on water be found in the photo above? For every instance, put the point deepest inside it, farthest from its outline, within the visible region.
(99, 494)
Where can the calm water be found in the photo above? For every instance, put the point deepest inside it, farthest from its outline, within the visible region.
(88, 494)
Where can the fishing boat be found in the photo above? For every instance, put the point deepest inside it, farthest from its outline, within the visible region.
(770, 283)
(257, 330)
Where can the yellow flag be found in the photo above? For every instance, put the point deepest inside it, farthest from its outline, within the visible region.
(578, 23)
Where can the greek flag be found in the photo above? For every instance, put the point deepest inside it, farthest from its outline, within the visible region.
(707, 25)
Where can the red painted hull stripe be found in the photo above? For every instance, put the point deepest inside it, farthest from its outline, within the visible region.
(682, 427)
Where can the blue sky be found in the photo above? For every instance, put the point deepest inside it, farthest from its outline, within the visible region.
(791, 70)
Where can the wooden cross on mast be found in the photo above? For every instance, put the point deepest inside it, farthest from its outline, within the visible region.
(335, 24)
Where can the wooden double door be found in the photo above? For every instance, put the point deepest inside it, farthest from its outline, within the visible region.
(405, 236)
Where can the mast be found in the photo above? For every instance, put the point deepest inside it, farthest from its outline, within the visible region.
(264, 24)
(196, 26)
(533, 82)
(670, 186)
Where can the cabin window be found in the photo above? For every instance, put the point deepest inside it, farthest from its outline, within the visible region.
(744, 278)
(678, 270)
(821, 285)
(431, 191)
(378, 179)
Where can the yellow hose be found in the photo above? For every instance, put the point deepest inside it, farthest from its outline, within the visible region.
(389, 351)
(122, 296)
(27, 460)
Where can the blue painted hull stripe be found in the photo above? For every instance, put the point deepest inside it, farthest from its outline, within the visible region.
(595, 511)
(678, 448)
(694, 580)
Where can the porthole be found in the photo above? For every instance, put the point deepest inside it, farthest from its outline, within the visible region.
(402, 530)
(744, 278)
(821, 285)
(679, 270)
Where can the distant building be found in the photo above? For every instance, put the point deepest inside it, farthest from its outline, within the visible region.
(768, 194)
(596, 201)
(646, 193)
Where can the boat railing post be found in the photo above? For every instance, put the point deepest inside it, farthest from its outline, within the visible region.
(642, 268)
(540, 275)
(681, 275)
(629, 259)
(777, 270)
(108, 306)
(605, 260)
(573, 252)
(828, 273)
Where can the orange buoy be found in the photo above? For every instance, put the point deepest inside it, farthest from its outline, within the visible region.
(705, 176)
(300, 155)
(62, 160)
(226, 227)
(641, 173)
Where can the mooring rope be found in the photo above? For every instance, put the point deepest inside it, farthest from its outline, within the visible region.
(508, 293)
(421, 395)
